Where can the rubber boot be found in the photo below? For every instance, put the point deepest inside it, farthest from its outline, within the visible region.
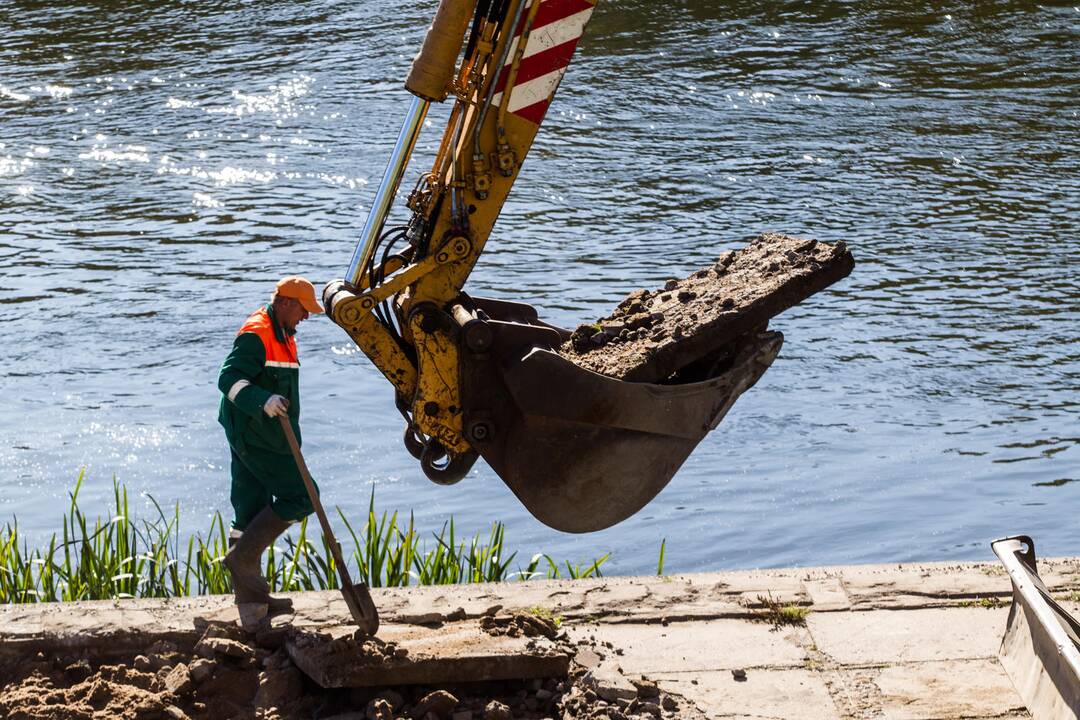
(244, 561)
(274, 606)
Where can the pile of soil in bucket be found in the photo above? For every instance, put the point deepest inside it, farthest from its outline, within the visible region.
(653, 334)
(228, 674)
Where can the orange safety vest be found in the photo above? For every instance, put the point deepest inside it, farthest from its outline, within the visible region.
(279, 354)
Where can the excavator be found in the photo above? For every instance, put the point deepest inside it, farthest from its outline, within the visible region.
(478, 377)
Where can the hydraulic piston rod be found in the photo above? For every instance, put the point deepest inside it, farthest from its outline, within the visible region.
(384, 198)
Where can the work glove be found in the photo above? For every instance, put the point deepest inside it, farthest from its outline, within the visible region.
(276, 406)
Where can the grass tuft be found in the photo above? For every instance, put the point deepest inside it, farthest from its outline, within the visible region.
(779, 614)
(989, 603)
(546, 613)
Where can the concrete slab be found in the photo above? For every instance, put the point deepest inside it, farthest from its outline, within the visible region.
(827, 594)
(697, 646)
(898, 636)
(764, 695)
(948, 689)
(456, 652)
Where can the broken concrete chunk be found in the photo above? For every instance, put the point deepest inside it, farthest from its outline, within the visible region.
(211, 646)
(646, 688)
(587, 658)
(707, 312)
(201, 669)
(609, 683)
(178, 681)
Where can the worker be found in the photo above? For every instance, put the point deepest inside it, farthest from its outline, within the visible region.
(259, 383)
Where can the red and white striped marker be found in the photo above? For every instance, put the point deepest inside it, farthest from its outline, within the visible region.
(555, 32)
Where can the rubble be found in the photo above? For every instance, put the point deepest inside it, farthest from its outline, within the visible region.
(654, 334)
(220, 677)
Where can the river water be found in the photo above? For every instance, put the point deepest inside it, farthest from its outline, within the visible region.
(162, 164)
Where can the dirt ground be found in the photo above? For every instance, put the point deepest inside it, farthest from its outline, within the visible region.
(228, 673)
(653, 334)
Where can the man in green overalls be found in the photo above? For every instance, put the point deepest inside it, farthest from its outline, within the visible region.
(259, 382)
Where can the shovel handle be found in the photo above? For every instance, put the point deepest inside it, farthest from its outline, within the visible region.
(313, 494)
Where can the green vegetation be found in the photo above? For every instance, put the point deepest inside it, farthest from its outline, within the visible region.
(777, 613)
(124, 557)
(989, 603)
(546, 613)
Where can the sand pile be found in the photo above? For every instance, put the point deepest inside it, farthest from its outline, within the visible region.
(654, 334)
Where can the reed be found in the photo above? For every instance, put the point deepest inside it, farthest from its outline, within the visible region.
(125, 557)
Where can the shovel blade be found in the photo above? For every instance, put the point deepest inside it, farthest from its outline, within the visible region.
(361, 607)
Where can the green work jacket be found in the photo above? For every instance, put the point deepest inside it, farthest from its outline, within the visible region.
(263, 362)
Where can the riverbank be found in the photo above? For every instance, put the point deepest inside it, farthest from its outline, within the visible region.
(916, 642)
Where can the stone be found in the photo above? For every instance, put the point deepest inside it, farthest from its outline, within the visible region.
(587, 658)
(462, 715)
(175, 713)
(142, 663)
(609, 683)
(495, 710)
(209, 647)
(379, 709)
(439, 703)
(669, 703)
(646, 688)
(201, 669)
(178, 681)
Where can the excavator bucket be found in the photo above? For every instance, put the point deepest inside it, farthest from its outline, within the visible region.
(583, 451)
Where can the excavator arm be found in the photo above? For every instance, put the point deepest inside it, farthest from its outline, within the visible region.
(479, 377)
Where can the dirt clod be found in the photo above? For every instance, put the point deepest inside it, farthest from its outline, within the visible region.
(520, 624)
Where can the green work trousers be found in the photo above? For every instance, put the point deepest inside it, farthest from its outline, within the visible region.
(267, 478)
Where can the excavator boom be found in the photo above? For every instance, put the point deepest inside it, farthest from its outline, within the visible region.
(477, 377)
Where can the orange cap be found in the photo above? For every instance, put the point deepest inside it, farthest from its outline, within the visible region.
(300, 289)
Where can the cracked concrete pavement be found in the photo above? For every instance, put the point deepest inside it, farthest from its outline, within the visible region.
(899, 642)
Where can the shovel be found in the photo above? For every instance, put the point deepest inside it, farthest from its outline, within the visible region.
(357, 597)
